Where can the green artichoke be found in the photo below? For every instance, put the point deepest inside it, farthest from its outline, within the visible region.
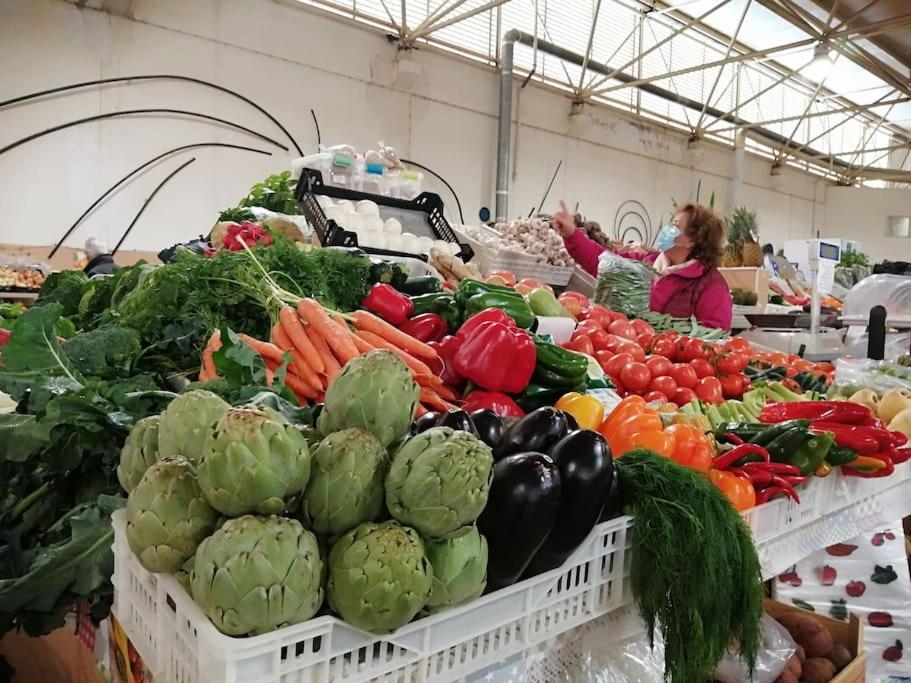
(379, 576)
(187, 421)
(459, 570)
(439, 481)
(139, 452)
(346, 482)
(167, 516)
(252, 462)
(374, 392)
(256, 574)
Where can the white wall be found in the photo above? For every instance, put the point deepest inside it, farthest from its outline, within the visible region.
(291, 59)
(863, 214)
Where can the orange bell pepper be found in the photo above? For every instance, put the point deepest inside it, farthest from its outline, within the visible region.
(692, 448)
(627, 435)
(628, 407)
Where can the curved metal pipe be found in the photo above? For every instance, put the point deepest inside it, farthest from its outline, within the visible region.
(136, 170)
(172, 77)
(148, 201)
(133, 112)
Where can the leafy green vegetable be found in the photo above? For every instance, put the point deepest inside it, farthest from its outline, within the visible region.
(33, 345)
(106, 351)
(65, 288)
(694, 571)
(236, 215)
(275, 193)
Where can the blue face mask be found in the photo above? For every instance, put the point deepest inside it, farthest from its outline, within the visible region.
(667, 237)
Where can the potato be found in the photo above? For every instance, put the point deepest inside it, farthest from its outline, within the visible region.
(813, 636)
(787, 677)
(818, 670)
(801, 654)
(794, 666)
(840, 657)
(793, 620)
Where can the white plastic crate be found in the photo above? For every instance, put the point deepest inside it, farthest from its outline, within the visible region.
(521, 265)
(179, 644)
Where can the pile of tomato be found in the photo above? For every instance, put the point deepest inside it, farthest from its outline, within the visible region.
(666, 366)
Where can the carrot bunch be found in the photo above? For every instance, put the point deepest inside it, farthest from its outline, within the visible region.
(320, 344)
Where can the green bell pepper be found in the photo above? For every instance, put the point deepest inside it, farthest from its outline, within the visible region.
(536, 396)
(441, 303)
(811, 453)
(512, 304)
(558, 367)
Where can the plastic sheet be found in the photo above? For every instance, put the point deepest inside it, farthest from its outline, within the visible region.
(777, 648)
(623, 284)
(891, 291)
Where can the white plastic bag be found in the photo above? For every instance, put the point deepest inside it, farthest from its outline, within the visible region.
(776, 649)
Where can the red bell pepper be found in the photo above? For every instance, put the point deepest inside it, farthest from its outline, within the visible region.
(388, 303)
(497, 357)
(488, 315)
(496, 401)
(446, 348)
(426, 327)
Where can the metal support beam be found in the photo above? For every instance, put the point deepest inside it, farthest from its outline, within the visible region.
(727, 54)
(687, 25)
(864, 141)
(427, 30)
(779, 156)
(591, 38)
(831, 16)
(850, 19)
(741, 105)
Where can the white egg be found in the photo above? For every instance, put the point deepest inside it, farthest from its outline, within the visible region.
(366, 239)
(334, 213)
(373, 222)
(367, 208)
(360, 237)
(354, 221)
(324, 201)
(425, 244)
(394, 226)
(410, 243)
(393, 241)
(380, 241)
(345, 205)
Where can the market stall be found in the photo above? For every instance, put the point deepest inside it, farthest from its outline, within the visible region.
(342, 442)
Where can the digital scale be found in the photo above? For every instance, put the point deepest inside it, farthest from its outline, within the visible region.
(816, 260)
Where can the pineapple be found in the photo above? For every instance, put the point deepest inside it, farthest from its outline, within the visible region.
(733, 256)
(748, 231)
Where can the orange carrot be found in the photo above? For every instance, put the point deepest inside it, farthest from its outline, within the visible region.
(298, 364)
(322, 348)
(417, 367)
(429, 381)
(366, 321)
(299, 386)
(264, 349)
(335, 335)
(362, 344)
(429, 397)
(296, 335)
(445, 393)
(209, 372)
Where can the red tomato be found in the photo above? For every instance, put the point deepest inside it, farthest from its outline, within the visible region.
(633, 349)
(600, 339)
(684, 375)
(598, 315)
(738, 344)
(622, 329)
(683, 395)
(745, 382)
(731, 363)
(642, 327)
(731, 386)
(658, 366)
(618, 387)
(693, 349)
(617, 363)
(586, 328)
(666, 385)
(646, 340)
(702, 367)
(635, 377)
(655, 397)
(664, 347)
(602, 357)
(708, 389)
(582, 344)
(613, 341)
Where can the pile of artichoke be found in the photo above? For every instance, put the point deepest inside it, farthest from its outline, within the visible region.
(259, 526)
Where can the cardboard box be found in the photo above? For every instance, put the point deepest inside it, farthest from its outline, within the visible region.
(755, 279)
(850, 634)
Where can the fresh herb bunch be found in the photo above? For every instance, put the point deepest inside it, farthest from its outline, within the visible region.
(275, 193)
(694, 571)
(236, 215)
(851, 259)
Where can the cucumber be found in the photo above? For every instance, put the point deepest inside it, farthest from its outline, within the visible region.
(422, 284)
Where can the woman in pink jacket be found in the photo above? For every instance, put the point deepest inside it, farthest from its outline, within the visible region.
(690, 247)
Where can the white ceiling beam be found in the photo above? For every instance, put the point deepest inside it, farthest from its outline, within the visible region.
(588, 49)
(427, 30)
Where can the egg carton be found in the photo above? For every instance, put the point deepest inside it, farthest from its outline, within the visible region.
(178, 643)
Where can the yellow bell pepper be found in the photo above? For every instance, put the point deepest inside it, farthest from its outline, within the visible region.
(588, 411)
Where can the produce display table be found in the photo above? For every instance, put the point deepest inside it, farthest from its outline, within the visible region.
(495, 638)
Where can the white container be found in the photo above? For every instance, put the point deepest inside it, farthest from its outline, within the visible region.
(409, 184)
(178, 643)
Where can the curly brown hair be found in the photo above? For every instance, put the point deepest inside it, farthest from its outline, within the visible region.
(706, 229)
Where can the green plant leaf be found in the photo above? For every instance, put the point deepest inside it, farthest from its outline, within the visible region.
(33, 344)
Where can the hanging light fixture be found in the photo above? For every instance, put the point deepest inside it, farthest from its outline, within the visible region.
(819, 67)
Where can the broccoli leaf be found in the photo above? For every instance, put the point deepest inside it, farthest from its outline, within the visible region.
(33, 345)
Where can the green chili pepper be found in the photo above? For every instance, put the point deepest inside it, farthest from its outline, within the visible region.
(841, 455)
(469, 288)
(513, 305)
(536, 396)
(811, 453)
(560, 360)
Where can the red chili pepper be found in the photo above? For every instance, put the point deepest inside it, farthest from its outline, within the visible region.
(734, 439)
(760, 478)
(488, 315)
(723, 462)
(790, 481)
(446, 348)
(773, 492)
(881, 437)
(884, 471)
(841, 412)
(388, 303)
(496, 401)
(497, 357)
(898, 439)
(777, 467)
(901, 455)
(426, 327)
